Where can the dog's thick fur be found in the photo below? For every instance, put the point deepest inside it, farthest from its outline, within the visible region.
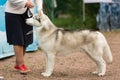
(55, 40)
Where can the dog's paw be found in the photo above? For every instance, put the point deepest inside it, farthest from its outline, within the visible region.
(101, 74)
(98, 73)
(95, 72)
(45, 74)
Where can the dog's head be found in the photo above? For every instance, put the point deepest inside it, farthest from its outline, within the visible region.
(40, 20)
(35, 20)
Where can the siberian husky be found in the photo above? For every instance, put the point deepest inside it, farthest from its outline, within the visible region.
(58, 41)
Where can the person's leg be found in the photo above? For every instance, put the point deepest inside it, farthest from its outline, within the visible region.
(19, 53)
(24, 51)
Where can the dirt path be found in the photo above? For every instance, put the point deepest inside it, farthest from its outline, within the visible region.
(75, 66)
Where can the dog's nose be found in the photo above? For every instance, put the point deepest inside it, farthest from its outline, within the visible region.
(26, 19)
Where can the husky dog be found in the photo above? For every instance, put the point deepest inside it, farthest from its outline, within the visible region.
(54, 40)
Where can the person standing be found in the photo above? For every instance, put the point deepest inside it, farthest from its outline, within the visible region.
(19, 34)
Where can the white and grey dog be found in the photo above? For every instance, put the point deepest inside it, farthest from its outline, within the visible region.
(55, 40)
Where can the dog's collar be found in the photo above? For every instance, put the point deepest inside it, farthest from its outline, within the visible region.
(57, 30)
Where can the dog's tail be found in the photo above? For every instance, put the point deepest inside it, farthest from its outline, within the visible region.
(107, 54)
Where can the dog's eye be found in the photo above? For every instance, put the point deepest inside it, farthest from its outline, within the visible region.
(34, 17)
(38, 20)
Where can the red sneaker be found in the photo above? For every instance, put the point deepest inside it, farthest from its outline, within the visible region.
(22, 68)
(16, 68)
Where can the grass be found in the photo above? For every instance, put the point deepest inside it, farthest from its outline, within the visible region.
(74, 23)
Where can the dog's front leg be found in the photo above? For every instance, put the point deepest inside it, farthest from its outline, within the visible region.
(50, 59)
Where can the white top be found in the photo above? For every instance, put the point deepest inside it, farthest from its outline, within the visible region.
(18, 6)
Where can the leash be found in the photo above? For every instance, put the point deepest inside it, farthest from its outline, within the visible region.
(29, 12)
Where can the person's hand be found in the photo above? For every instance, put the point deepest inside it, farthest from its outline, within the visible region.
(29, 4)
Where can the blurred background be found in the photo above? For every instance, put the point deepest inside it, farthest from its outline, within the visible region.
(69, 14)
(98, 16)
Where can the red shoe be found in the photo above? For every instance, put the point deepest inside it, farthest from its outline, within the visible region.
(22, 68)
